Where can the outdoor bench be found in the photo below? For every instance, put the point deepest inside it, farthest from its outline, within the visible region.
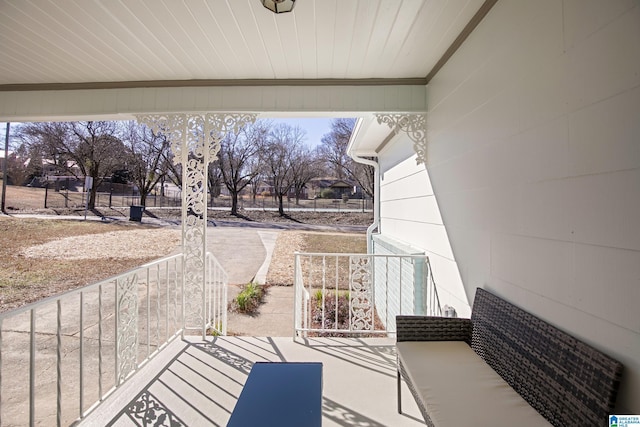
(503, 367)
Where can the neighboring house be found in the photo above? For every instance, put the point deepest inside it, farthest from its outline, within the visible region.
(264, 188)
(9, 154)
(341, 188)
(50, 168)
(2, 160)
(338, 186)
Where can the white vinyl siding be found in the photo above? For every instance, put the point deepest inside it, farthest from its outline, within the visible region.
(400, 283)
(534, 156)
(410, 214)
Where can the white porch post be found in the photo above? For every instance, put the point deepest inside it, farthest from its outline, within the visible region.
(195, 141)
(414, 125)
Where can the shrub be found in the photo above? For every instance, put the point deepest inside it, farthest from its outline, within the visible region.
(249, 298)
(213, 331)
(318, 297)
(330, 310)
(327, 193)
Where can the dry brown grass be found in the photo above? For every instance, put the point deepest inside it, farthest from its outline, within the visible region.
(27, 279)
(24, 279)
(19, 198)
(335, 243)
(281, 269)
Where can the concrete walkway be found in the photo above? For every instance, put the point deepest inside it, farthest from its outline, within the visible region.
(241, 251)
(245, 254)
(276, 226)
(274, 317)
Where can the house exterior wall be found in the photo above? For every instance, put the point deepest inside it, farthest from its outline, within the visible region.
(409, 213)
(400, 283)
(534, 156)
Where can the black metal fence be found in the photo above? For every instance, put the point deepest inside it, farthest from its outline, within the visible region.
(76, 199)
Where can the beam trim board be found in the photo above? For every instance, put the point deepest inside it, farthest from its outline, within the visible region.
(268, 100)
(30, 87)
(466, 31)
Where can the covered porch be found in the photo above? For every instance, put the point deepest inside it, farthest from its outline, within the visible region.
(195, 382)
(532, 148)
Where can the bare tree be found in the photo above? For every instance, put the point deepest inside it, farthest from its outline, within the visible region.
(214, 178)
(236, 154)
(146, 161)
(19, 168)
(258, 177)
(49, 142)
(333, 150)
(304, 169)
(333, 147)
(174, 171)
(279, 159)
(92, 147)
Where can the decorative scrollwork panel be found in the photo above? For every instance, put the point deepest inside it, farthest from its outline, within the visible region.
(127, 343)
(195, 141)
(414, 125)
(361, 305)
(173, 126)
(197, 134)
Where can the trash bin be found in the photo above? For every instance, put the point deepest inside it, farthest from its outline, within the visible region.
(135, 213)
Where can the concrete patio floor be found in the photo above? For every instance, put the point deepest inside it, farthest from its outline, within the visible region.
(197, 383)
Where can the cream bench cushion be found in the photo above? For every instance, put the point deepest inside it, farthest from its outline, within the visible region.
(458, 388)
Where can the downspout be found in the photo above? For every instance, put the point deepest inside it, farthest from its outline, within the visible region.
(376, 189)
(376, 198)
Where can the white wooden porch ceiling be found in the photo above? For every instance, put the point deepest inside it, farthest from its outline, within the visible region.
(88, 41)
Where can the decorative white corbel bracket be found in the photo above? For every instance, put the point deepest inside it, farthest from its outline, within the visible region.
(414, 125)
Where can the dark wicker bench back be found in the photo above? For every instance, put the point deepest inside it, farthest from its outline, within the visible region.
(564, 379)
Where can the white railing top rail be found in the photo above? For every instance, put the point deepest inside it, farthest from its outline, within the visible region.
(76, 291)
(143, 308)
(319, 254)
(360, 293)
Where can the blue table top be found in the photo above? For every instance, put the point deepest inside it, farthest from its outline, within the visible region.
(280, 394)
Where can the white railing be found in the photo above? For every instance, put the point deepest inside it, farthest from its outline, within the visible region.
(216, 285)
(356, 294)
(62, 356)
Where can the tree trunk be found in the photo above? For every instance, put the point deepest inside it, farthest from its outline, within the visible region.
(92, 198)
(234, 203)
(280, 205)
(298, 192)
(143, 198)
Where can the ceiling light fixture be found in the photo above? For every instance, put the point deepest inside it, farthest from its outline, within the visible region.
(279, 6)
